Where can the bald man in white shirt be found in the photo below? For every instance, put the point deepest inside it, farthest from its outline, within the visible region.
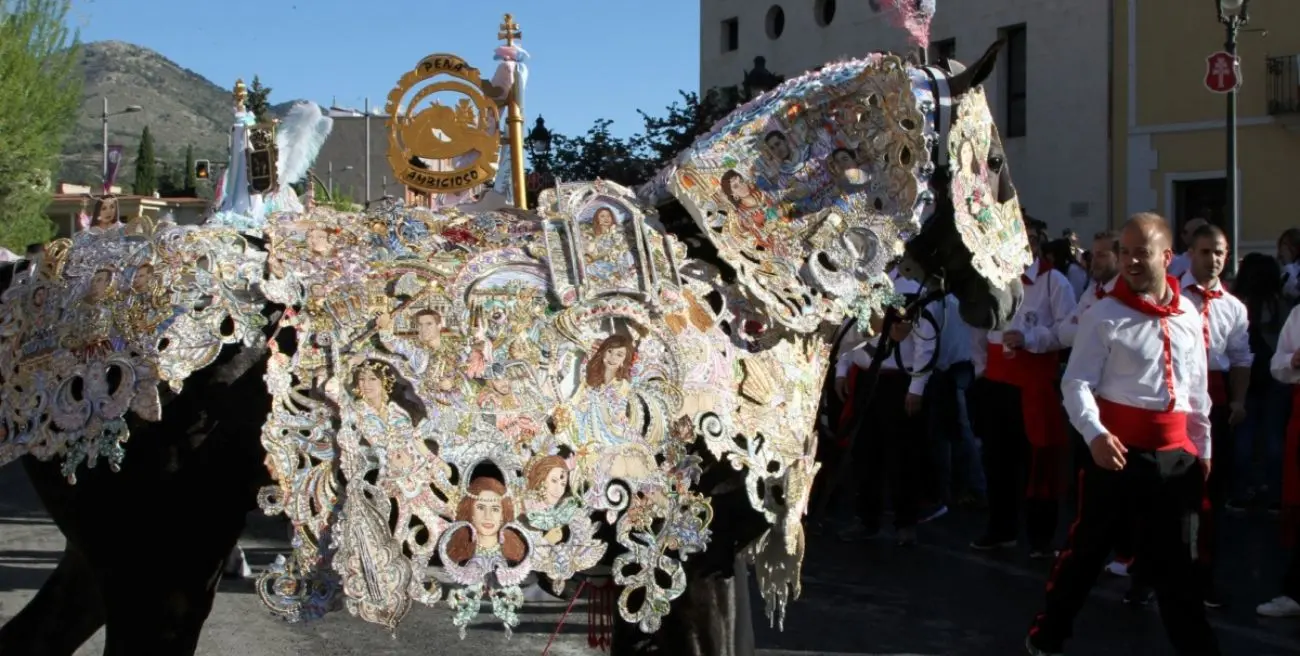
(1134, 388)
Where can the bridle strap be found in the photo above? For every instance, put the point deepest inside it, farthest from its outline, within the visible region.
(943, 105)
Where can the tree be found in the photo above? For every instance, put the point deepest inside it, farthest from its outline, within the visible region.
(633, 161)
(40, 95)
(146, 174)
(258, 100)
(188, 175)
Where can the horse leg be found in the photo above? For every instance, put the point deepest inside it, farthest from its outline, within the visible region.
(65, 613)
(159, 608)
(711, 618)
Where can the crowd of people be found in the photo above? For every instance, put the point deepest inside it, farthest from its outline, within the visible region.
(1132, 379)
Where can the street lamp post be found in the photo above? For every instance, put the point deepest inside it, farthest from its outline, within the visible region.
(330, 177)
(103, 117)
(1233, 14)
(539, 145)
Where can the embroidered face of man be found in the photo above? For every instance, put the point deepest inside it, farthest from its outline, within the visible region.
(38, 298)
(428, 327)
(318, 241)
(98, 289)
(142, 279)
(779, 146)
(845, 165)
(486, 516)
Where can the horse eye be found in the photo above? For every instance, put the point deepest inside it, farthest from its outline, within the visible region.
(995, 163)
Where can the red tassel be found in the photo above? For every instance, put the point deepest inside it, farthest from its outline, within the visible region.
(600, 615)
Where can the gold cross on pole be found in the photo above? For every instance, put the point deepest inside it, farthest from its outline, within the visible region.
(509, 30)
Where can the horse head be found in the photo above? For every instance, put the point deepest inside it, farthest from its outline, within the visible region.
(812, 190)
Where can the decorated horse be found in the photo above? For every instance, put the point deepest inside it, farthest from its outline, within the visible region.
(450, 404)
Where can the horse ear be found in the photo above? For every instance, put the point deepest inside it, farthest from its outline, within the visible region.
(977, 72)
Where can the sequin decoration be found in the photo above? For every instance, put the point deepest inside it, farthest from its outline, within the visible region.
(993, 232)
(819, 167)
(89, 333)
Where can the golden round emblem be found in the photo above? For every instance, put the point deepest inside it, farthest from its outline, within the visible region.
(442, 134)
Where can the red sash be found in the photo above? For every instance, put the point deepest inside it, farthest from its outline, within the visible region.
(1148, 430)
(1291, 473)
(1034, 374)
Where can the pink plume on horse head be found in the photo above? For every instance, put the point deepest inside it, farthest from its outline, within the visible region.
(913, 16)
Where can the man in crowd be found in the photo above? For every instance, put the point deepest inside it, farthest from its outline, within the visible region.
(889, 449)
(1134, 390)
(1102, 273)
(1182, 262)
(1018, 412)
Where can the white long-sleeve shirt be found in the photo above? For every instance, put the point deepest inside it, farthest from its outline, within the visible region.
(915, 351)
(1229, 328)
(1048, 300)
(1119, 355)
(1287, 344)
(1078, 277)
(1066, 330)
(1179, 266)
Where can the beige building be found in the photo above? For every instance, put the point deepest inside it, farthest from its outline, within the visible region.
(1169, 130)
(71, 201)
(1049, 93)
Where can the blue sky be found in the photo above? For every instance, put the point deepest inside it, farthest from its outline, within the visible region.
(590, 58)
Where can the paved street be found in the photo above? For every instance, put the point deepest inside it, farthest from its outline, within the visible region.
(858, 599)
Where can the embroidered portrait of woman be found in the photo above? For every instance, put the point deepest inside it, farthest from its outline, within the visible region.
(487, 507)
(753, 208)
(600, 426)
(546, 506)
(386, 420)
(609, 258)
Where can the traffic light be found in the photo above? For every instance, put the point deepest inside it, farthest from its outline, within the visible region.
(201, 169)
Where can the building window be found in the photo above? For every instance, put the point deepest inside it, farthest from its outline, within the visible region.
(941, 52)
(775, 22)
(825, 11)
(731, 35)
(1015, 80)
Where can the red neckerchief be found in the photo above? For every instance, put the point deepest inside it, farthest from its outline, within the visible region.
(1207, 295)
(1124, 294)
(1100, 289)
(1044, 265)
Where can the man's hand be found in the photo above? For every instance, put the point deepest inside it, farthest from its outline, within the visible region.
(1295, 359)
(900, 330)
(913, 404)
(1013, 339)
(1108, 452)
(1238, 413)
(842, 388)
(1205, 464)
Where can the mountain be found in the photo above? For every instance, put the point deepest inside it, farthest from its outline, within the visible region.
(180, 107)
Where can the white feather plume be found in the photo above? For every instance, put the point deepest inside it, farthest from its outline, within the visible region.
(299, 136)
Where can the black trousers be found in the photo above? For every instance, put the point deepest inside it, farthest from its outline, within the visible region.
(1165, 488)
(1211, 508)
(998, 421)
(888, 453)
(1291, 581)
